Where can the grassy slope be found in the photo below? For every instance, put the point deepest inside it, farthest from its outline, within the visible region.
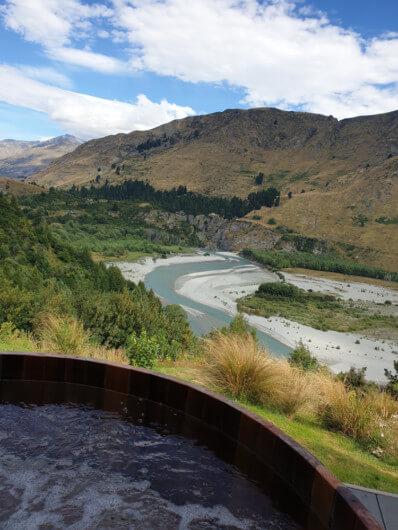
(342, 455)
(18, 188)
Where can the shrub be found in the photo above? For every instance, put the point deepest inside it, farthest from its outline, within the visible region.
(12, 339)
(271, 221)
(302, 358)
(279, 290)
(392, 377)
(141, 350)
(239, 326)
(354, 378)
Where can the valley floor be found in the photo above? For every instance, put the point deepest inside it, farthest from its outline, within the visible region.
(339, 350)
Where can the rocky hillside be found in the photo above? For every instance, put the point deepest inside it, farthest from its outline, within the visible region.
(19, 159)
(341, 176)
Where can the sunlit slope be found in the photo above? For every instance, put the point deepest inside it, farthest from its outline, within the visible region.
(336, 170)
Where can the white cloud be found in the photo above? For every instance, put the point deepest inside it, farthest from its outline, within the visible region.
(83, 115)
(280, 52)
(46, 74)
(51, 22)
(88, 59)
(279, 57)
(56, 24)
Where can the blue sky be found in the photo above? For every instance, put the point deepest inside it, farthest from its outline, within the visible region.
(95, 68)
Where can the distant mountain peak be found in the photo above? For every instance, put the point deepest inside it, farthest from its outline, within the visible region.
(19, 158)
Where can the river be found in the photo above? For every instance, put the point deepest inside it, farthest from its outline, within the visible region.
(203, 317)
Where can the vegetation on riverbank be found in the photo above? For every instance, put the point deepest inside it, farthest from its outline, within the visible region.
(108, 229)
(323, 262)
(316, 310)
(55, 298)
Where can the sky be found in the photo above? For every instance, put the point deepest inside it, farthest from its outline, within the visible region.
(94, 68)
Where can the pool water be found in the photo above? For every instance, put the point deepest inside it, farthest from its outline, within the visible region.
(77, 466)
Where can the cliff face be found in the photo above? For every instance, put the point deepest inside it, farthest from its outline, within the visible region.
(232, 235)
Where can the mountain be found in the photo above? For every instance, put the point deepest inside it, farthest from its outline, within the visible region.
(19, 159)
(342, 175)
(14, 147)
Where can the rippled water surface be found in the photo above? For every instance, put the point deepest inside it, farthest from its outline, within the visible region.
(74, 466)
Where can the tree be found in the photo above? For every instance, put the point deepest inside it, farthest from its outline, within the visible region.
(259, 179)
(290, 194)
(392, 385)
(360, 220)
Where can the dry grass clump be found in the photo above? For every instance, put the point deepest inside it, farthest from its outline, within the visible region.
(62, 335)
(236, 366)
(67, 335)
(296, 394)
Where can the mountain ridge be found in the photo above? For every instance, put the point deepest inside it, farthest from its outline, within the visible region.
(19, 158)
(341, 175)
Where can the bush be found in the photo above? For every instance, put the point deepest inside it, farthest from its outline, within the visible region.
(354, 378)
(302, 358)
(280, 290)
(271, 221)
(142, 351)
(392, 377)
(239, 326)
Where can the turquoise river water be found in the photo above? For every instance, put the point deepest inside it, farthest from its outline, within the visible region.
(203, 318)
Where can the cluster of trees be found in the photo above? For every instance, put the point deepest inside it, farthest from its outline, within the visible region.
(40, 275)
(179, 199)
(111, 228)
(144, 146)
(319, 262)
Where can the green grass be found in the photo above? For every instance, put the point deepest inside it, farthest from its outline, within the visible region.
(345, 457)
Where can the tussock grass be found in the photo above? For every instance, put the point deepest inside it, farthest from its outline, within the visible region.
(234, 365)
(67, 336)
(62, 335)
